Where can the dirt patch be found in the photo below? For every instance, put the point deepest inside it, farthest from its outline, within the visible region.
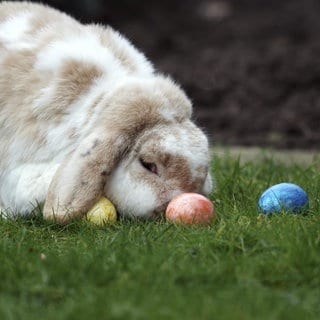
(252, 68)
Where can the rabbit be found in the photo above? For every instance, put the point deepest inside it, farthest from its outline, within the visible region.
(84, 114)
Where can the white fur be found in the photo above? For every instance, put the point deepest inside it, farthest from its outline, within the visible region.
(135, 197)
(13, 29)
(144, 66)
(26, 186)
(84, 48)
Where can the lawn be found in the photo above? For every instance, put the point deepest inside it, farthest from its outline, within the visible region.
(244, 266)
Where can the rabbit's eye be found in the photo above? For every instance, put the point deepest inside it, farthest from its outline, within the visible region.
(150, 166)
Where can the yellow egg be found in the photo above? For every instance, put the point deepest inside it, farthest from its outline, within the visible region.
(103, 212)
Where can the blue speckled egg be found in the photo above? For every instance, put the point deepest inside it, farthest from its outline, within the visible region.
(283, 197)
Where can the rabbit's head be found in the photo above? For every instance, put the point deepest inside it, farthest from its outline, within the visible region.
(164, 161)
(142, 151)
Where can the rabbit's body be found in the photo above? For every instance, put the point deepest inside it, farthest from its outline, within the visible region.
(76, 103)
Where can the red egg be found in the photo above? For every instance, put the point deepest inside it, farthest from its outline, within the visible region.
(190, 208)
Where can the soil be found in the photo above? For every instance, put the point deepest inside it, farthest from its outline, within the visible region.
(251, 67)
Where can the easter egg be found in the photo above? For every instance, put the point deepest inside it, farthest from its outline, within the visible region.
(190, 208)
(287, 197)
(103, 212)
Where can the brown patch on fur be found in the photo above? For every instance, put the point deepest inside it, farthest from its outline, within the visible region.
(178, 169)
(136, 108)
(75, 79)
(142, 106)
(19, 86)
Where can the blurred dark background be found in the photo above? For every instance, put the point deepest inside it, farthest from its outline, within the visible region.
(251, 67)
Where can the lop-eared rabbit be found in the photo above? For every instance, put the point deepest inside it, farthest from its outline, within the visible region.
(83, 114)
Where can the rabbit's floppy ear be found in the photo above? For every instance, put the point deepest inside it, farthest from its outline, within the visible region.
(80, 179)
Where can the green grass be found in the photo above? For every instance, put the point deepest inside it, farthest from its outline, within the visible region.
(244, 266)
